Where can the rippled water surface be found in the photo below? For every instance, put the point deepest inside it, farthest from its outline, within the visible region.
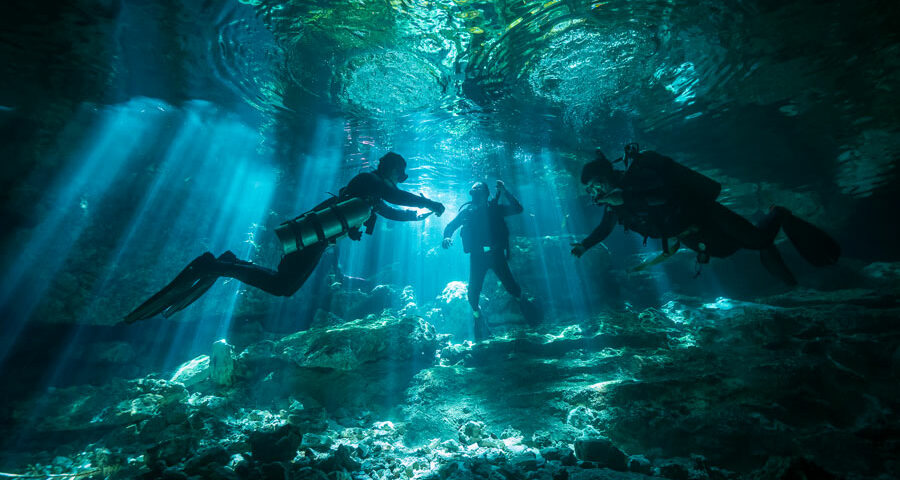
(756, 92)
(573, 74)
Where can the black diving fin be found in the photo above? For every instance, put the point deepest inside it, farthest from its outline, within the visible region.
(811, 242)
(186, 284)
(190, 295)
(771, 259)
(199, 287)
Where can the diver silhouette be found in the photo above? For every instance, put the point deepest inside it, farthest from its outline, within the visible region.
(304, 240)
(485, 237)
(660, 198)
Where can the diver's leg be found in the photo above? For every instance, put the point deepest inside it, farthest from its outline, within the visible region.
(176, 290)
(754, 237)
(530, 309)
(479, 263)
(478, 267)
(292, 273)
(501, 269)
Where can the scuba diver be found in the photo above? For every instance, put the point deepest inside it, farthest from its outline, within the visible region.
(660, 198)
(304, 240)
(485, 238)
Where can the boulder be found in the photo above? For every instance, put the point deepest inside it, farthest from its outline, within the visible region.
(601, 451)
(221, 363)
(192, 372)
(640, 464)
(279, 445)
(201, 462)
(353, 344)
(316, 442)
(564, 455)
(580, 417)
(471, 432)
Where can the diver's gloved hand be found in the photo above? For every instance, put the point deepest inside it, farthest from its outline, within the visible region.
(436, 207)
(355, 234)
(578, 249)
(423, 216)
(447, 242)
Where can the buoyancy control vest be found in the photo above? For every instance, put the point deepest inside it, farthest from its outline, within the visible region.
(493, 233)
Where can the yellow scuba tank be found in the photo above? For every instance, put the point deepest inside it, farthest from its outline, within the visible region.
(324, 225)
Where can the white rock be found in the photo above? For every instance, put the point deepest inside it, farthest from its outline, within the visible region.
(192, 372)
(222, 363)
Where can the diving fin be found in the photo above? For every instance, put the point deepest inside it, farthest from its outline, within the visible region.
(532, 311)
(813, 244)
(190, 295)
(175, 292)
(772, 261)
(481, 331)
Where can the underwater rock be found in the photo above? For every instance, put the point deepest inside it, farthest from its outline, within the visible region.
(565, 455)
(360, 364)
(307, 418)
(526, 461)
(169, 452)
(355, 343)
(340, 459)
(316, 442)
(788, 468)
(602, 451)
(118, 403)
(640, 464)
(192, 372)
(471, 432)
(279, 445)
(221, 363)
(202, 462)
(273, 471)
(580, 417)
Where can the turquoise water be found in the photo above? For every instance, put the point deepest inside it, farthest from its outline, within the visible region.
(139, 134)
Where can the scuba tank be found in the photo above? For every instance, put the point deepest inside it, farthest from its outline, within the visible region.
(323, 225)
(684, 182)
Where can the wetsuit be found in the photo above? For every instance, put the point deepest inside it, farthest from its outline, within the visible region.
(486, 240)
(295, 268)
(663, 199)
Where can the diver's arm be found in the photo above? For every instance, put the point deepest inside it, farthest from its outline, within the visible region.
(371, 185)
(514, 207)
(397, 214)
(602, 231)
(401, 197)
(392, 194)
(454, 224)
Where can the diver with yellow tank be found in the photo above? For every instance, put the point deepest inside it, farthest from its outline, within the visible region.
(304, 240)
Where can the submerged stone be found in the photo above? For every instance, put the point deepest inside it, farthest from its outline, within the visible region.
(602, 451)
(192, 372)
(221, 363)
(471, 432)
(353, 344)
(279, 445)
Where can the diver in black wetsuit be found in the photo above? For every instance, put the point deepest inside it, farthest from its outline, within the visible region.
(486, 239)
(305, 240)
(659, 198)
